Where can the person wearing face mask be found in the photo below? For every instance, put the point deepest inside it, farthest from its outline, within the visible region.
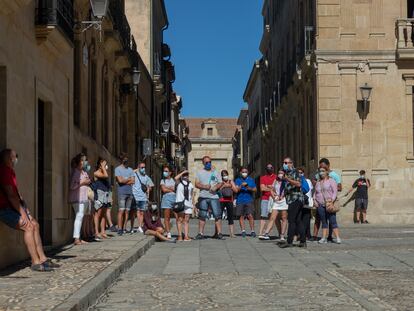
(245, 188)
(295, 200)
(103, 200)
(15, 214)
(266, 187)
(184, 193)
(279, 208)
(167, 185)
(78, 194)
(227, 191)
(141, 190)
(362, 184)
(125, 178)
(326, 190)
(209, 182)
(325, 164)
(152, 224)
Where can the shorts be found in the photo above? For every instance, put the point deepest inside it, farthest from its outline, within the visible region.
(264, 209)
(361, 204)
(10, 217)
(244, 209)
(141, 206)
(204, 204)
(125, 202)
(188, 210)
(167, 201)
(280, 205)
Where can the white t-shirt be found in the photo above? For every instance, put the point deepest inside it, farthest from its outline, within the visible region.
(180, 194)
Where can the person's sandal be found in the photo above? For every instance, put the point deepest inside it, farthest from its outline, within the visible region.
(41, 268)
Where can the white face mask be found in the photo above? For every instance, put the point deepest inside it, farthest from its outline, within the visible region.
(280, 176)
(244, 175)
(15, 161)
(225, 178)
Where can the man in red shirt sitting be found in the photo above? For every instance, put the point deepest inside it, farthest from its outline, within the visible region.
(14, 213)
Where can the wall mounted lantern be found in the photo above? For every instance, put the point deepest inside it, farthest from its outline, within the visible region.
(99, 10)
(165, 127)
(132, 77)
(363, 108)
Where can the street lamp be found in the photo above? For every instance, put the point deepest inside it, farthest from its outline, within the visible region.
(366, 91)
(99, 10)
(136, 78)
(165, 126)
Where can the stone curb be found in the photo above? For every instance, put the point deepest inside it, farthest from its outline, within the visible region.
(88, 294)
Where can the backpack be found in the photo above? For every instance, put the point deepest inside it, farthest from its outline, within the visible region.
(304, 185)
(179, 207)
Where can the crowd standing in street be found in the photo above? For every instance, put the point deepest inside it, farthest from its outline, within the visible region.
(288, 200)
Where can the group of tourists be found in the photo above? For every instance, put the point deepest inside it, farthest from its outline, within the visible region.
(288, 201)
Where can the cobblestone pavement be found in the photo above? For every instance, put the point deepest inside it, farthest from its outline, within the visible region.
(22, 289)
(371, 270)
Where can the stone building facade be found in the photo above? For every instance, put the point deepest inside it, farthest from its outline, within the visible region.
(65, 90)
(316, 57)
(212, 137)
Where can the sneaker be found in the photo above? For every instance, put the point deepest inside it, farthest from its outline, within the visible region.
(220, 237)
(323, 241)
(281, 242)
(282, 239)
(312, 239)
(120, 232)
(135, 230)
(302, 245)
(338, 241)
(140, 230)
(168, 235)
(113, 229)
(285, 245)
(330, 239)
(366, 222)
(253, 234)
(243, 234)
(171, 241)
(264, 237)
(199, 236)
(41, 268)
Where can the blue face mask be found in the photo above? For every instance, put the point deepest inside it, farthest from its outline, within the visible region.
(286, 167)
(166, 174)
(86, 166)
(142, 171)
(207, 166)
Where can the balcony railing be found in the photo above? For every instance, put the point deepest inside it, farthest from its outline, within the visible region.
(56, 13)
(405, 38)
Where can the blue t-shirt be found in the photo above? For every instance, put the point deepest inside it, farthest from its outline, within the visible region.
(245, 196)
(125, 172)
(139, 195)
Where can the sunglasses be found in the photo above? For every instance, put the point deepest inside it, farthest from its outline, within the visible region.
(209, 162)
(287, 162)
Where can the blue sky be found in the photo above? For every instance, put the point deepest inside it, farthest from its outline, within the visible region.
(214, 44)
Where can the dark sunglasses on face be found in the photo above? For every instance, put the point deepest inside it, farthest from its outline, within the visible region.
(287, 162)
